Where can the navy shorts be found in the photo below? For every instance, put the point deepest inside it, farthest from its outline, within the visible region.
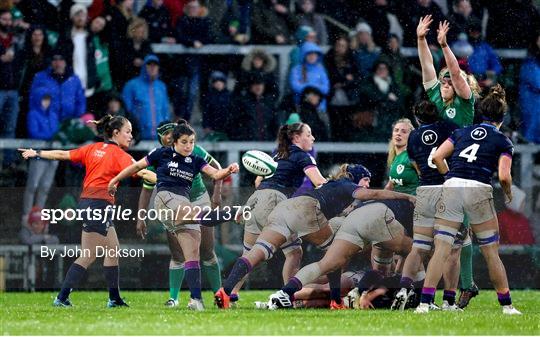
(98, 219)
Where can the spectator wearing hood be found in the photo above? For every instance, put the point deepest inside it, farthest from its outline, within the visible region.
(272, 23)
(216, 105)
(254, 114)
(262, 63)
(366, 51)
(310, 72)
(303, 34)
(483, 62)
(145, 97)
(308, 17)
(529, 93)
(64, 87)
(43, 123)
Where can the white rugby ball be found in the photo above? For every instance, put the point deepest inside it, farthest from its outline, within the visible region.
(259, 163)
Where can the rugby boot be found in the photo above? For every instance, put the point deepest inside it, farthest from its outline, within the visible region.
(171, 303)
(400, 300)
(62, 304)
(221, 299)
(447, 307)
(195, 304)
(279, 300)
(466, 295)
(422, 308)
(510, 310)
(336, 306)
(116, 303)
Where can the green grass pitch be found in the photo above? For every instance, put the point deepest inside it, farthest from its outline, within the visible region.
(33, 314)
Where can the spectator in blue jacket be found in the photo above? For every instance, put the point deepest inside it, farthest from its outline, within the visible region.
(42, 122)
(529, 93)
(483, 62)
(310, 73)
(64, 87)
(145, 97)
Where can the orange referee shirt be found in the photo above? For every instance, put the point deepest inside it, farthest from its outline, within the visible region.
(103, 161)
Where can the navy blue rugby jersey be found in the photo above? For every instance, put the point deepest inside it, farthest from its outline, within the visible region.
(334, 196)
(403, 212)
(175, 172)
(422, 144)
(477, 150)
(290, 172)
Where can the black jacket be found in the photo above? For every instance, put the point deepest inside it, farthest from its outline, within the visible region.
(253, 119)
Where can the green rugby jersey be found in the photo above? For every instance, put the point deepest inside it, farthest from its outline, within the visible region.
(403, 175)
(460, 111)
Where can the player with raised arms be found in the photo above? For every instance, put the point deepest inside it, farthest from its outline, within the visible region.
(198, 196)
(293, 164)
(102, 161)
(306, 216)
(454, 93)
(176, 167)
(422, 144)
(475, 153)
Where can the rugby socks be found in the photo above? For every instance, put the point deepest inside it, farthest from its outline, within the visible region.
(241, 268)
(234, 297)
(112, 277)
(428, 295)
(73, 277)
(212, 272)
(466, 272)
(504, 298)
(176, 276)
(334, 279)
(449, 296)
(405, 282)
(291, 287)
(193, 278)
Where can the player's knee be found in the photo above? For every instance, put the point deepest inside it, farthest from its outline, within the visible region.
(293, 249)
(422, 243)
(444, 234)
(176, 264)
(209, 259)
(266, 248)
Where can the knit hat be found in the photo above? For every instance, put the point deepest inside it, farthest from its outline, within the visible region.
(363, 27)
(75, 9)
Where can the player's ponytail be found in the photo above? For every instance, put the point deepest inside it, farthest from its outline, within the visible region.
(493, 107)
(108, 123)
(341, 173)
(182, 128)
(285, 136)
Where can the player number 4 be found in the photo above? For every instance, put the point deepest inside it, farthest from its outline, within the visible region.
(469, 152)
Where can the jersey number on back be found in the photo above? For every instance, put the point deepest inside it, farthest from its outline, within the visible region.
(469, 152)
(430, 158)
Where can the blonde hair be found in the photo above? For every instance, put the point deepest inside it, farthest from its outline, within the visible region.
(134, 25)
(341, 173)
(469, 78)
(391, 145)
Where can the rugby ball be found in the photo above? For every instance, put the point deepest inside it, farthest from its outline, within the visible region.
(259, 163)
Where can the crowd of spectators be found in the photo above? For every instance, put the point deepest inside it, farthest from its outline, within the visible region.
(63, 63)
(61, 60)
